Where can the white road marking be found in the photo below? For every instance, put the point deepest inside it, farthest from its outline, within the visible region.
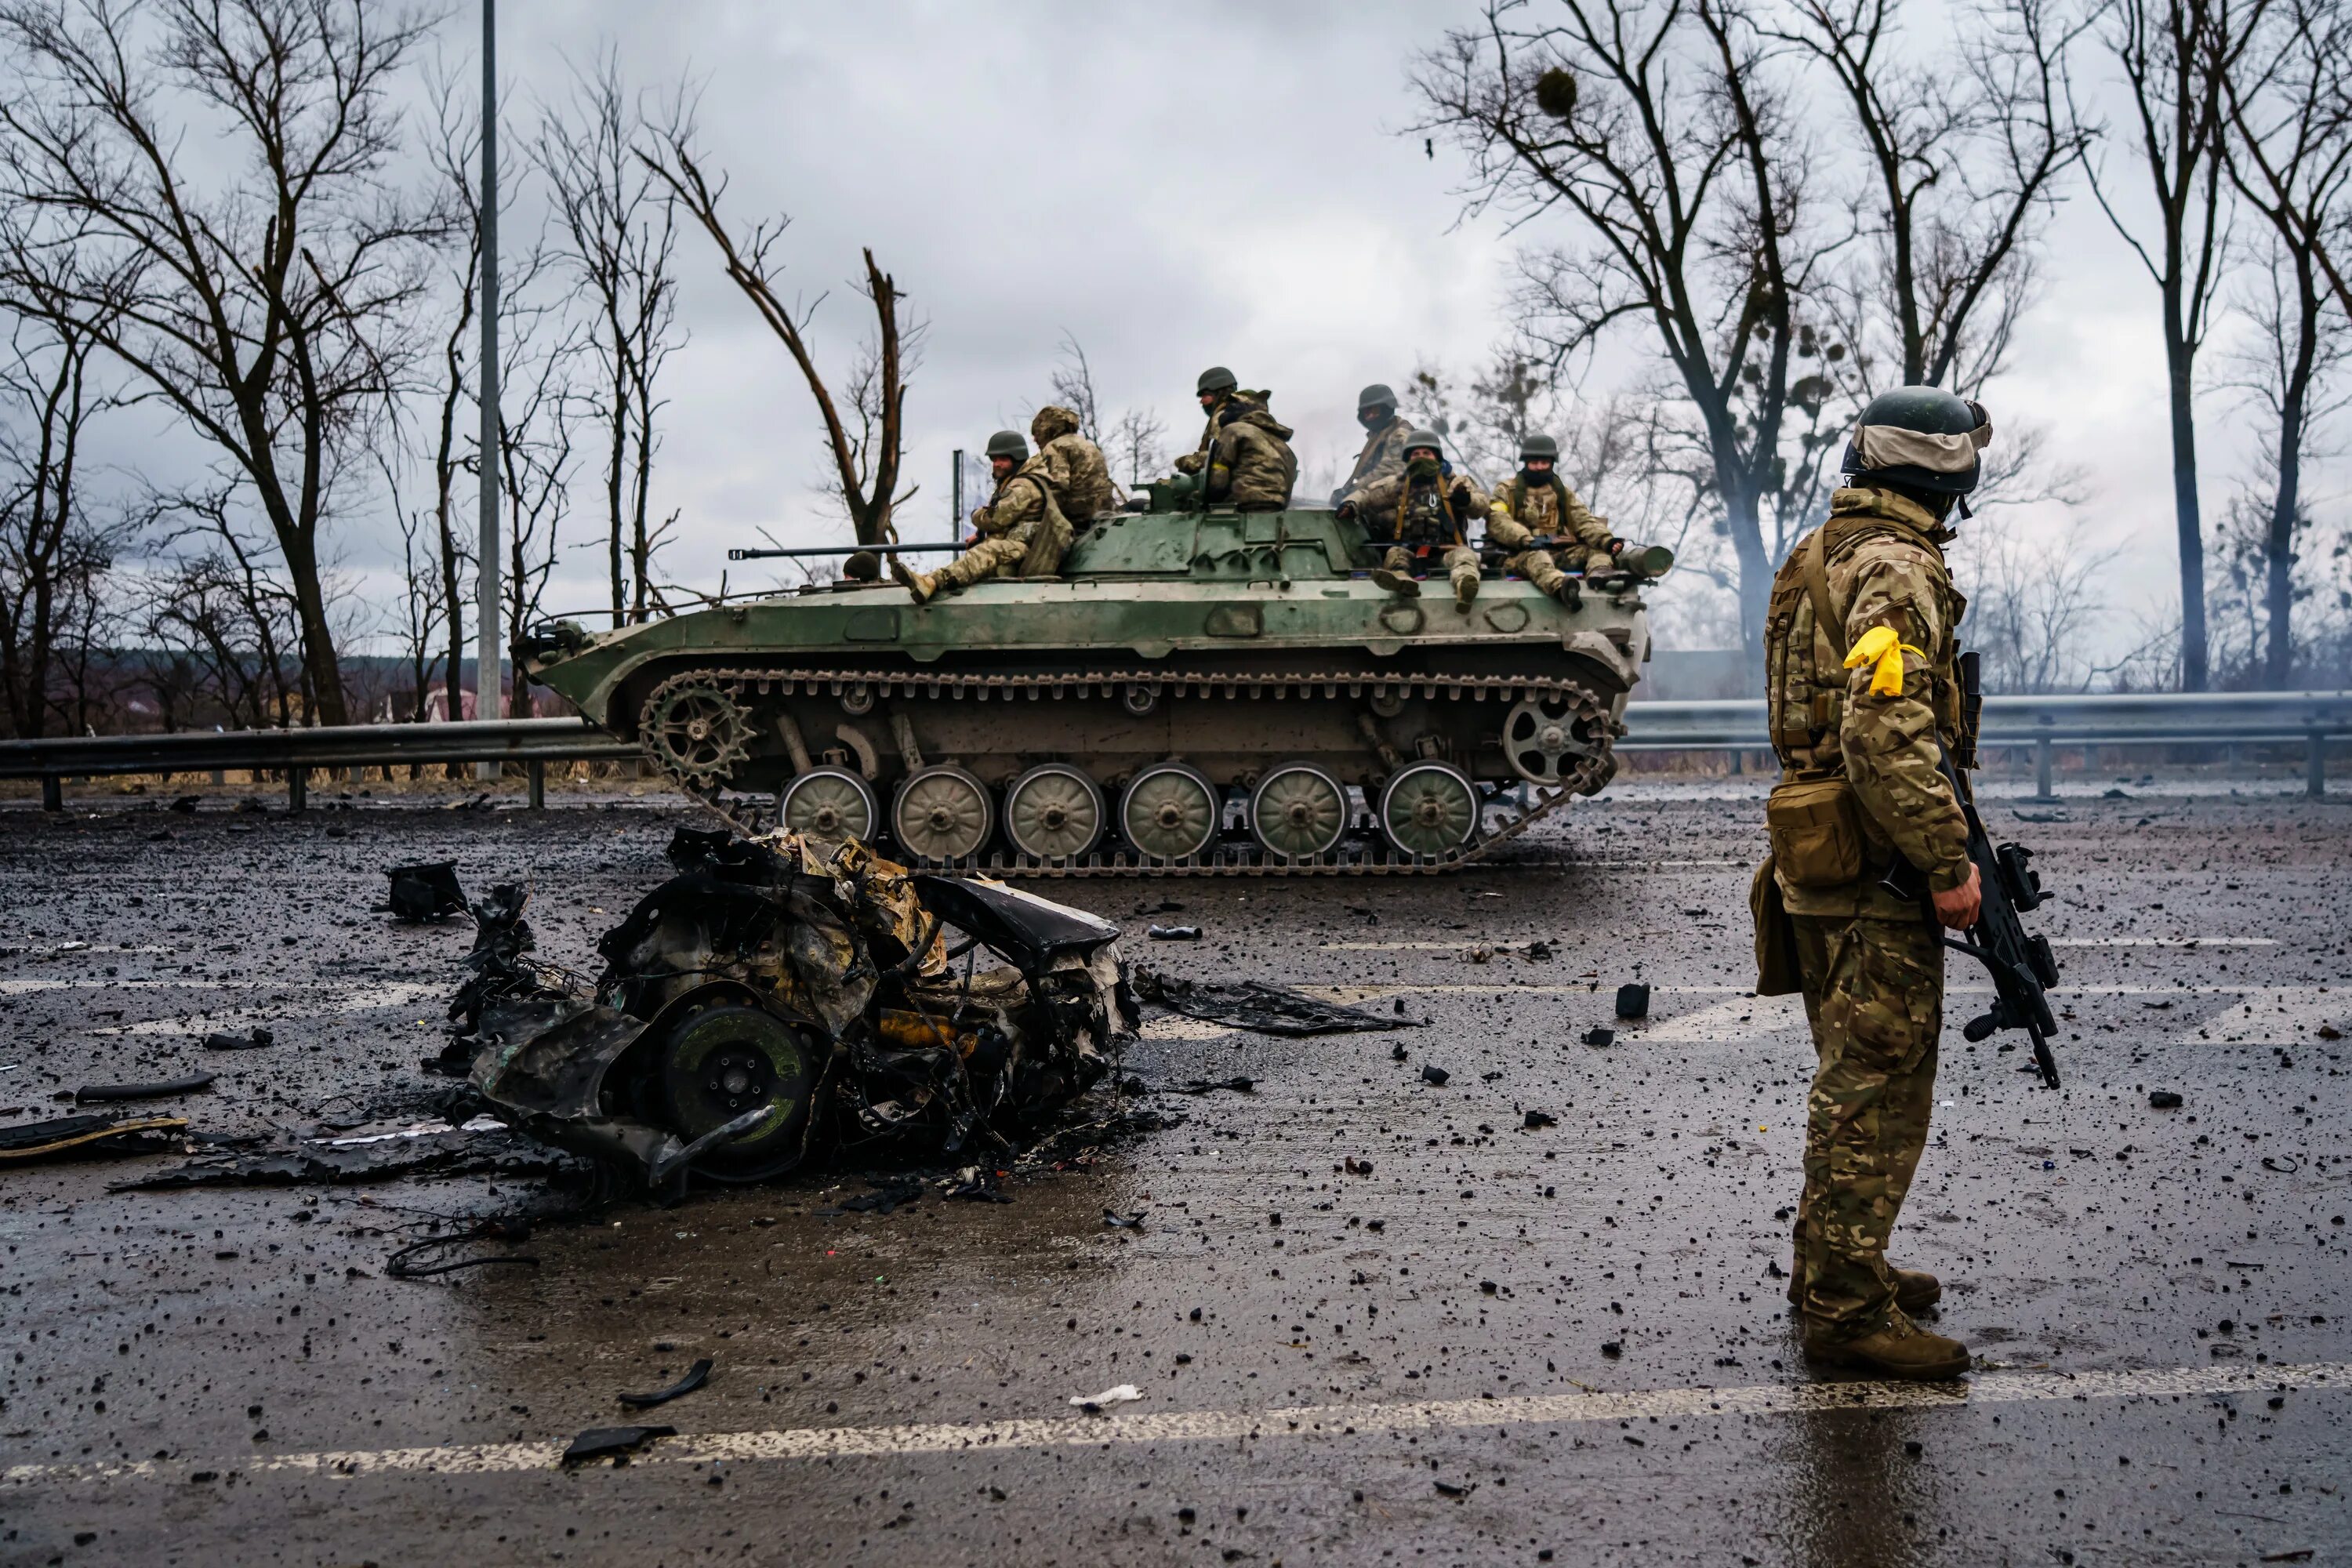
(1734, 1020)
(1492, 945)
(1225, 1426)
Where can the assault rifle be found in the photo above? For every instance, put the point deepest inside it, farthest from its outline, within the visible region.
(2021, 964)
(1642, 561)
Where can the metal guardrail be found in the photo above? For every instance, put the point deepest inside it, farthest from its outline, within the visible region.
(2313, 718)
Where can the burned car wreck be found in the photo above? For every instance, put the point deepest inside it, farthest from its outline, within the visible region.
(780, 996)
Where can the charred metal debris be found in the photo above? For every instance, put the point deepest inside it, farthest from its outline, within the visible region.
(777, 997)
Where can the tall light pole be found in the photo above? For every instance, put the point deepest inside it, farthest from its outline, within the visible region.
(490, 699)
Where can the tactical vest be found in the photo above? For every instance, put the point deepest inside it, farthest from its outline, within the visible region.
(1805, 646)
(1515, 495)
(1425, 514)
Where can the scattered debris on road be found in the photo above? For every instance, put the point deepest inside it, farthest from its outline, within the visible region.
(1633, 1002)
(162, 1089)
(253, 1039)
(101, 1136)
(2163, 1100)
(427, 892)
(615, 1443)
(1096, 1403)
(1259, 1006)
(696, 1376)
(1173, 933)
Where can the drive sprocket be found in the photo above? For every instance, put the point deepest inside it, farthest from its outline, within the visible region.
(694, 730)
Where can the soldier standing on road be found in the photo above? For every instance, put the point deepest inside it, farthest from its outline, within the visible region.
(1536, 503)
(1424, 507)
(1073, 464)
(1384, 433)
(1859, 649)
(1022, 528)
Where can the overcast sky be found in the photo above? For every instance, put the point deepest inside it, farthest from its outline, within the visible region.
(1222, 183)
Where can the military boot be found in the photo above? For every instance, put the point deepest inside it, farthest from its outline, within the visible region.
(1569, 592)
(1897, 1348)
(1398, 583)
(922, 584)
(1916, 1290)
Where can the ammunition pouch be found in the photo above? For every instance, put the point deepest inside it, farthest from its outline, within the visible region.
(1778, 973)
(1814, 826)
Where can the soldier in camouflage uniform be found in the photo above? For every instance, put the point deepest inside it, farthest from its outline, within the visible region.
(1384, 433)
(1223, 400)
(1423, 508)
(1860, 647)
(1073, 464)
(1536, 503)
(1023, 529)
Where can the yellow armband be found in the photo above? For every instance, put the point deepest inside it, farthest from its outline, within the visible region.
(1880, 643)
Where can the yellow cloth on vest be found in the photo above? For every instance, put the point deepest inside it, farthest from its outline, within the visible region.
(1880, 643)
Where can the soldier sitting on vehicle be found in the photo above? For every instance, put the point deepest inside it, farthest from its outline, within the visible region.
(1536, 503)
(1384, 433)
(1024, 529)
(1073, 464)
(1218, 391)
(1423, 508)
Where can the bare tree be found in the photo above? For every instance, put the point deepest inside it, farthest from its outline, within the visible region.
(619, 228)
(2033, 600)
(214, 602)
(1963, 168)
(53, 553)
(1073, 388)
(2177, 57)
(2291, 160)
(1662, 132)
(262, 303)
(865, 458)
(1138, 444)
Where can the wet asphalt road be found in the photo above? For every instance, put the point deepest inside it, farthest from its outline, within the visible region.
(1413, 1364)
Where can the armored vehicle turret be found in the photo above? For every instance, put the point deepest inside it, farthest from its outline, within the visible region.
(1199, 691)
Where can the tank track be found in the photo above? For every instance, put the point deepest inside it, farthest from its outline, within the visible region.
(1500, 820)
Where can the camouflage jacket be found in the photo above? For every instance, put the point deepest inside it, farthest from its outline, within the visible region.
(1073, 464)
(1251, 465)
(1020, 499)
(1243, 403)
(1399, 511)
(1884, 566)
(1523, 511)
(1381, 459)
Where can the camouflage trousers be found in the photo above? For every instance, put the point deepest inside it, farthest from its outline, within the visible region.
(998, 555)
(1874, 995)
(1544, 568)
(1461, 565)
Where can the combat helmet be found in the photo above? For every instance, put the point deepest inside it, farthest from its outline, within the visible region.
(1921, 436)
(1415, 439)
(1008, 444)
(1377, 395)
(1052, 421)
(1217, 378)
(1542, 447)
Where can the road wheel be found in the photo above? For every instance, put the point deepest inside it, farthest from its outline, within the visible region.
(1298, 810)
(942, 814)
(827, 805)
(1054, 812)
(1429, 809)
(1170, 812)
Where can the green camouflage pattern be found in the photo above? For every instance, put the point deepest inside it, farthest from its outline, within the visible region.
(1522, 512)
(1251, 465)
(1874, 994)
(1193, 462)
(1424, 512)
(1459, 562)
(1886, 567)
(1383, 458)
(1073, 464)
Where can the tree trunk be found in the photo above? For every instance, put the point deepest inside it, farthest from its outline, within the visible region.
(2279, 548)
(2180, 360)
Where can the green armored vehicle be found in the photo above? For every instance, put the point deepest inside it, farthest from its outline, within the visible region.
(1199, 691)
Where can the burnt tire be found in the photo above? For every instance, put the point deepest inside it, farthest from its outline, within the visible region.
(720, 1060)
